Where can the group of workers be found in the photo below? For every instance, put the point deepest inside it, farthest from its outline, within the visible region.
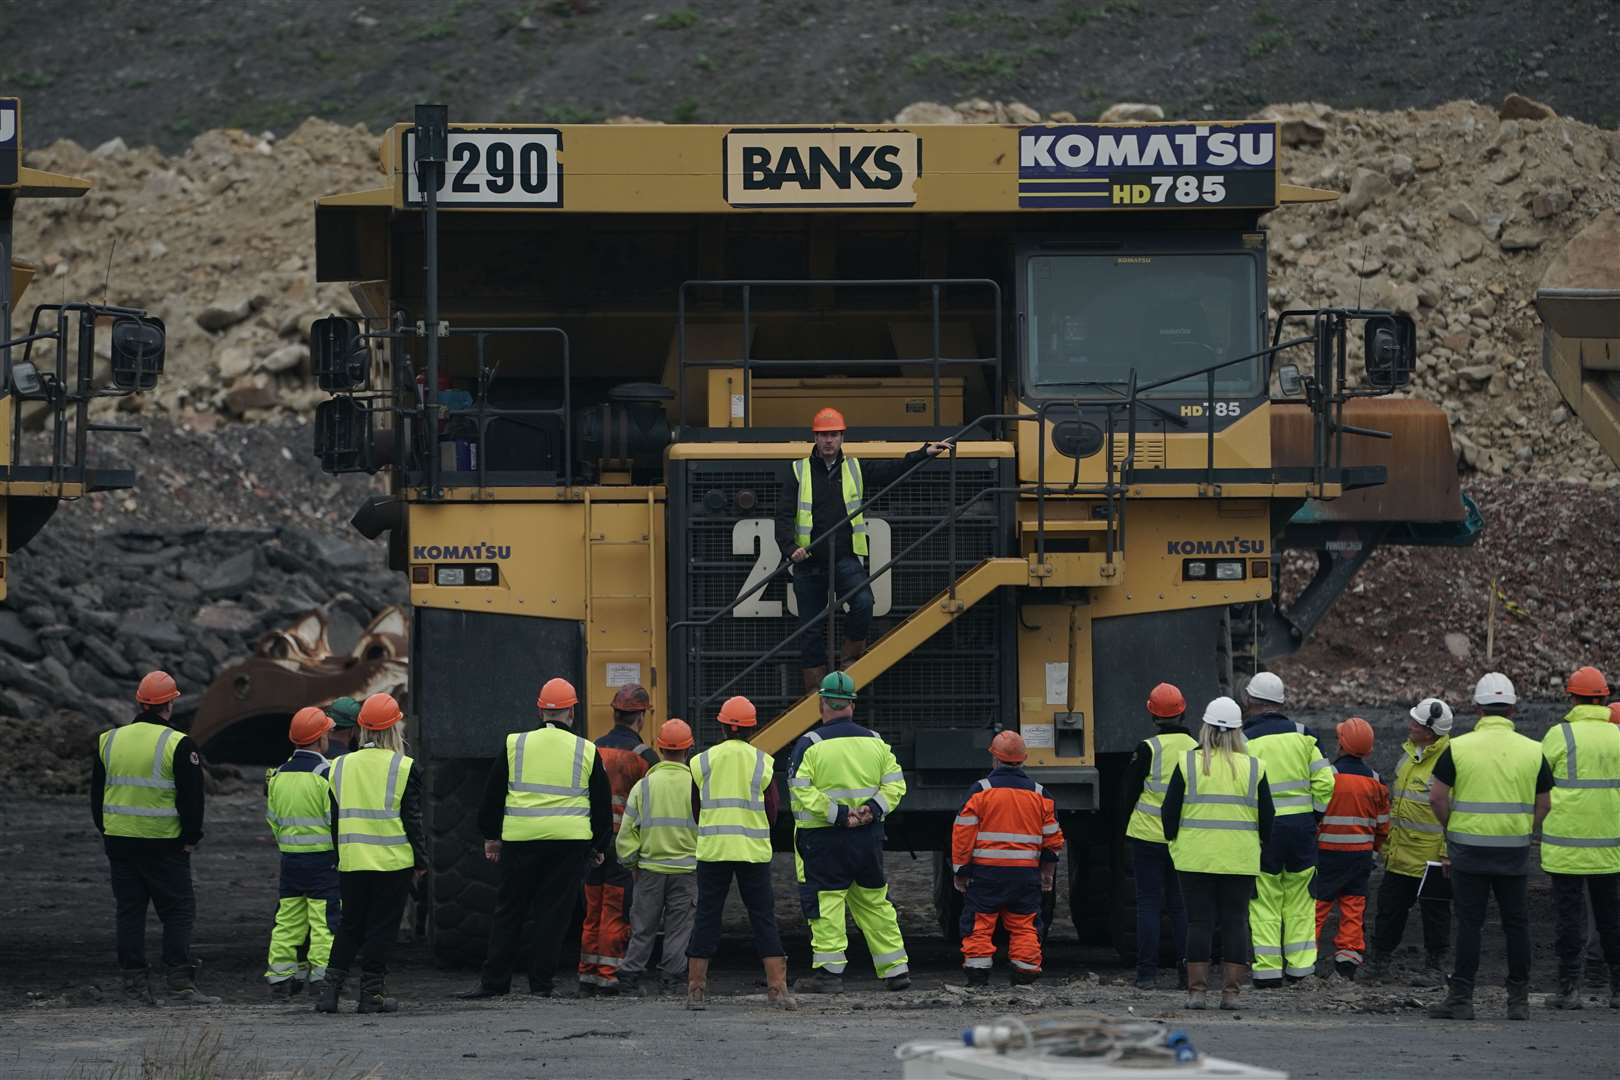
(1236, 830)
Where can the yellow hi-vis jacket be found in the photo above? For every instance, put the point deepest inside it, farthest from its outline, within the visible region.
(1301, 779)
(1581, 834)
(1219, 832)
(657, 832)
(844, 772)
(138, 799)
(1146, 819)
(369, 786)
(732, 826)
(548, 778)
(854, 493)
(1493, 803)
(1415, 835)
(299, 808)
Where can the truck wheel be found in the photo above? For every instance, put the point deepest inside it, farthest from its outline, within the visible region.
(462, 883)
(1091, 889)
(947, 901)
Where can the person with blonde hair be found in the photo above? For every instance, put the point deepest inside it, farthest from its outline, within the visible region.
(1217, 814)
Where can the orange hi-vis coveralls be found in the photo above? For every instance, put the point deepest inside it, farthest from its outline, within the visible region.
(1356, 824)
(606, 933)
(1003, 833)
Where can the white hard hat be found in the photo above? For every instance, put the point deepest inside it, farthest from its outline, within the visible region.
(1264, 687)
(1495, 689)
(1223, 712)
(1433, 714)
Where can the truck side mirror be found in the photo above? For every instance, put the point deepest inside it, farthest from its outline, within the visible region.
(343, 436)
(25, 380)
(341, 357)
(138, 348)
(1289, 381)
(1390, 350)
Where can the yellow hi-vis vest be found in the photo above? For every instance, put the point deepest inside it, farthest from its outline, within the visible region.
(1220, 815)
(731, 780)
(138, 799)
(854, 493)
(1301, 779)
(1581, 834)
(299, 809)
(844, 772)
(1493, 801)
(369, 786)
(1167, 749)
(548, 778)
(1416, 836)
(657, 832)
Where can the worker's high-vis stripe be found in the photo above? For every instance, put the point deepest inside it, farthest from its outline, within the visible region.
(1005, 855)
(734, 830)
(1417, 795)
(138, 794)
(1344, 838)
(1010, 838)
(1023, 965)
(978, 962)
(1473, 807)
(1581, 841)
(966, 819)
(548, 786)
(1335, 819)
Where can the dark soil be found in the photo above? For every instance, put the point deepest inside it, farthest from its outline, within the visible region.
(162, 73)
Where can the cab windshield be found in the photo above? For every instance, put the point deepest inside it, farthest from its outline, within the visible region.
(1092, 318)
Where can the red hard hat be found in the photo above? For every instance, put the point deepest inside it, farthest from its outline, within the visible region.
(1166, 702)
(739, 712)
(157, 688)
(1355, 737)
(1008, 746)
(1588, 682)
(674, 735)
(557, 694)
(632, 697)
(380, 711)
(828, 420)
(308, 725)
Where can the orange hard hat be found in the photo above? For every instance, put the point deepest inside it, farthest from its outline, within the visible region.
(1588, 682)
(1166, 702)
(828, 420)
(1355, 737)
(558, 693)
(1008, 746)
(632, 697)
(157, 688)
(674, 735)
(308, 725)
(739, 712)
(380, 711)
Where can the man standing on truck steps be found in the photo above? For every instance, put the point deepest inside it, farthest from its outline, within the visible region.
(819, 492)
(843, 780)
(146, 796)
(547, 816)
(1282, 915)
(606, 932)
(1157, 887)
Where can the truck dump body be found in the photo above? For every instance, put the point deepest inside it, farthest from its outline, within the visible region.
(1580, 352)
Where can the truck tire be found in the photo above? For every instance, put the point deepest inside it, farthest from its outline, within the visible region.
(947, 901)
(461, 881)
(1091, 892)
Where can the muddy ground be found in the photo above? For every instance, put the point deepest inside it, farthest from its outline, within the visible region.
(59, 1014)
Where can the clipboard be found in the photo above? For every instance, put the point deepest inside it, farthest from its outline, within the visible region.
(1435, 884)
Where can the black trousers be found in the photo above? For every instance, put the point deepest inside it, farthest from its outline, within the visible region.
(1217, 901)
(161, 878)
(754, 885)
(373, 903)
(543, 875)
(1157, 889)
(1569, 914)
(1396, 895)
(1470, 893)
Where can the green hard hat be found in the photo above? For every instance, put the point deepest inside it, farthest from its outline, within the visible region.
(838, 686)
(344, 711)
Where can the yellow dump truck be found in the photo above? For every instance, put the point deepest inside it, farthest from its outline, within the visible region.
(589, 355)
(49, 373)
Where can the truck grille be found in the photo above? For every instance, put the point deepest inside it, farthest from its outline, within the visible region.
(952, 680)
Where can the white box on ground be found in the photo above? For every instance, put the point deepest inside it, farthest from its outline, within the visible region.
(947, 1061)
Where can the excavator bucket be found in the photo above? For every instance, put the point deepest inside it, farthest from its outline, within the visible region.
(1580, 351)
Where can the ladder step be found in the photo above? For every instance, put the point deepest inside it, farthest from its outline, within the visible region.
(1085, 525)
(619, 596)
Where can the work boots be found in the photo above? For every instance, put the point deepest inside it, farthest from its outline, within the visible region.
(1232, 977)
(1433, 974)
(776, 986)
(374, 995)
(1614, 987)
(1016, 977)
(1197, 984)
(1458, 1004)
(182, 983)
(813, 677)
(1518, 999)
(138, 988)
(820, 981)
(331, 990)
(901, 981)
(1377, 968)
(977, 977)
(697, 980)
(1568, 996)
